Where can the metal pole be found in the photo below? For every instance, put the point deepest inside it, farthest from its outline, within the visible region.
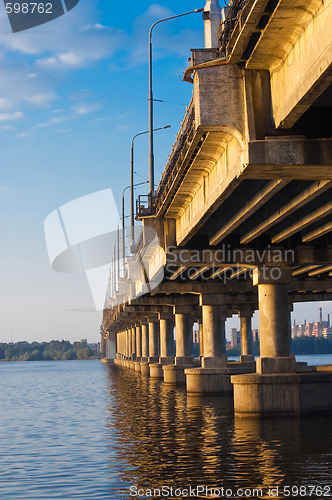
(132, 235)
(151, 154)
(114, 268)
(150, 97)
(123, 235)
(118, 244)
(132, 218)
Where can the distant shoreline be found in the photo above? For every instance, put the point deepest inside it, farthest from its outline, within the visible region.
(55, 350)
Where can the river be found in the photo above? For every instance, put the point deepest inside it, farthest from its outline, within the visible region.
(84, 430)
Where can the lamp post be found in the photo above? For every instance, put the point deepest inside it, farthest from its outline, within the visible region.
(151, 153)
(132, 220)
(123, 220)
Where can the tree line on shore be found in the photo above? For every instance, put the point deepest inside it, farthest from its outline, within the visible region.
(46, 351)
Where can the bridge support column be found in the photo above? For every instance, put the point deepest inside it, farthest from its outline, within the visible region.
(137, 364)
(166, 325)
(214, 350)
(201, 337)
(138, 342)
(174, 374)
(166, 338)
(145, 348)
(145, 341)
(246, 335)
(153, 341)
(214, 375)
(110, 349)
(275, 388)
(133, 344)
(128, 343)
(183, 335)
(274, 321)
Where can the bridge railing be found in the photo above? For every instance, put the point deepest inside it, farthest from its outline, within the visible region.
(147, 204)
(235, 18)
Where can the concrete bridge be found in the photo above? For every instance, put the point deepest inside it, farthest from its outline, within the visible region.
(242, 216)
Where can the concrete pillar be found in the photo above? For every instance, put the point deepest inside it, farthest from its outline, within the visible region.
(183, 334)
(128, 342)
(111, 348)
(145, 341)
(214, 349)
(153, 341)
(102, 344)
(133, 342)
(201, 338)
(138, 341)
(246, 335)
(166, 337)
(273, 320)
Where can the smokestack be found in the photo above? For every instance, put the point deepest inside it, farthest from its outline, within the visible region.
(212, 24)
(328, 320)
(320, 314)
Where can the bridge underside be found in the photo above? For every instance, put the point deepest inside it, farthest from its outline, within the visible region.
(242, 216)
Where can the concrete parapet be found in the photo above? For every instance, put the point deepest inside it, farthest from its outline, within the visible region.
(283, 394)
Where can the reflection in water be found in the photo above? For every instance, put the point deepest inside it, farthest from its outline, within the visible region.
(170, 439)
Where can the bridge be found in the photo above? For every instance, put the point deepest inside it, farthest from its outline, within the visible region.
(242, 217)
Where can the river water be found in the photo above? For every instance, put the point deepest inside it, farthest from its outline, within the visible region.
(84, 430)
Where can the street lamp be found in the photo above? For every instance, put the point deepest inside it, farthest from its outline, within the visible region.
(132, 221)
(123, 219)
(151, 154)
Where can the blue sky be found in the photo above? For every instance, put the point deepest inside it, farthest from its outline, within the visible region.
(73, 92)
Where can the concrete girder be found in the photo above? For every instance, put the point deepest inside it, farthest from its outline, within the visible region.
(289, 158)
(309, 194)
(317, 233)
(306, 221)
(248, 209)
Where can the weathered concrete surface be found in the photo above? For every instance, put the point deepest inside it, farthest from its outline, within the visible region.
(137, 366)
(174, 374)
(145, 368)
(288, 394)
(156, 370)
(214, 380)
(208, 381)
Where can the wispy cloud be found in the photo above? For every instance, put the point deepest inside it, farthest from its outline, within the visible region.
(85, 108)
(7, 127)
(4, 117)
